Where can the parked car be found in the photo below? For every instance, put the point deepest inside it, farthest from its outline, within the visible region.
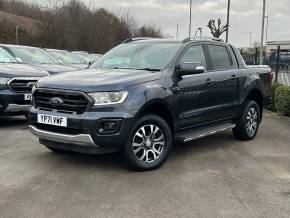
(89, 58)
(82, 54)
(16, 82)
(146, 93)
(68, 58)
(94, 57)
(37, 57)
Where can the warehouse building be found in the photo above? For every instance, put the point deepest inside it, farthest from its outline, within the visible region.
(273, 45)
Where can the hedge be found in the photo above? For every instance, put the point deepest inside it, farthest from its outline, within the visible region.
(282, 100)
(272, 105)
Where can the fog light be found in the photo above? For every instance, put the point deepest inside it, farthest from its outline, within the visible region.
(109, 126)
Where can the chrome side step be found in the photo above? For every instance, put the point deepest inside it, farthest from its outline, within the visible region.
(200, 132)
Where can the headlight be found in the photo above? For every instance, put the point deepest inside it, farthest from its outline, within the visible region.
(3, 82)
(108, 98)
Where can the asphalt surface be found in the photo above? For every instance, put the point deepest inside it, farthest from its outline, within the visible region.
(216, 176)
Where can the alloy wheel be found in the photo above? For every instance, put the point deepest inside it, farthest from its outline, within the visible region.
(252, 121)
(148, 143)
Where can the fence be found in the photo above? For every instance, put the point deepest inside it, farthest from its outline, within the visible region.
(278, 59)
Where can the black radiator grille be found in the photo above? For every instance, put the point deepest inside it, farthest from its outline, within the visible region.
(22, 85)
(71, 101)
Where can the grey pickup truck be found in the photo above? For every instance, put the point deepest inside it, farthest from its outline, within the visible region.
(145, 94)
(16, 82)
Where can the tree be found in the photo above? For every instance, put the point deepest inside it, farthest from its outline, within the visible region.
(148, 31)
(217, 30)
(71, 25)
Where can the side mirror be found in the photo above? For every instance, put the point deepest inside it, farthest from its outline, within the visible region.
(188, 68)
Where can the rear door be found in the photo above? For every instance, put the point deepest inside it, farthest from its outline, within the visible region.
(220, 94)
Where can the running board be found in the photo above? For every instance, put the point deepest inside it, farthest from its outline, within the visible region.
(200, 132)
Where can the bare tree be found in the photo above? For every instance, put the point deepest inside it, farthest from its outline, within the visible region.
(217, 30)
(76, 25)
(149, 31)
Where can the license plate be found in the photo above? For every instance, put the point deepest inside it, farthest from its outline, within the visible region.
(27, 97)
(52, 120)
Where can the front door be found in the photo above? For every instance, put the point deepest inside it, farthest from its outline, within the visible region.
(187, 89)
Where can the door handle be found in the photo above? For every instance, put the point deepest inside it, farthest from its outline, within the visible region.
(175, 89)
(234, 76)
(208, 82)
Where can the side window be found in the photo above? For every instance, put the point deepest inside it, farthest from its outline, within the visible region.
(194, 54)
(220, 58)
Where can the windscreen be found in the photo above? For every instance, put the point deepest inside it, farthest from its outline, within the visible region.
(32, 55)
(84, 56)
(94, 57)
(67, 57)
(146, 55)
(5, 57)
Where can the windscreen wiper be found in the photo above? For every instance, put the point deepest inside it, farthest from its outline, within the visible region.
(150, 69)
(122, 68)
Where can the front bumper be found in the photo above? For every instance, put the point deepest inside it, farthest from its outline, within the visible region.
(79, 139)
(82, 133)
(14, 108)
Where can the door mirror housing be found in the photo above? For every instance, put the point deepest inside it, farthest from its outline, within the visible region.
(188, 68)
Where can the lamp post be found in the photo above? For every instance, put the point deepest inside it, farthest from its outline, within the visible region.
(262, 33)
(16, 33)
(267, 26)
(228, 20)
(189, 29)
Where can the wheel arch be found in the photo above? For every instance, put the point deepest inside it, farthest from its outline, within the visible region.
(160, 108)
(257, 96)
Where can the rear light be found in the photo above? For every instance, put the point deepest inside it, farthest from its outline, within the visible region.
(270, 80)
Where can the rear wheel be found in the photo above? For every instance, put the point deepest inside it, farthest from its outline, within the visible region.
(248, 124)
(149, 144)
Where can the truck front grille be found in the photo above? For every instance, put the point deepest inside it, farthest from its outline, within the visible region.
(22, 85)
(69, 101)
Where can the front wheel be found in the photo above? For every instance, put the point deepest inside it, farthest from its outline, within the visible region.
(149, 144)
(248, 124)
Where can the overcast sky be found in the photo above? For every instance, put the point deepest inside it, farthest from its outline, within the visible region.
(246, 16)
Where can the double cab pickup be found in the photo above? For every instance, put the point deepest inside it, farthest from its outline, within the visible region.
(146, 94)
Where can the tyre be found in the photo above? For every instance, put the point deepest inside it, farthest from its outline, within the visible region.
(248, 124)
(56, 150)
(149, 144)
